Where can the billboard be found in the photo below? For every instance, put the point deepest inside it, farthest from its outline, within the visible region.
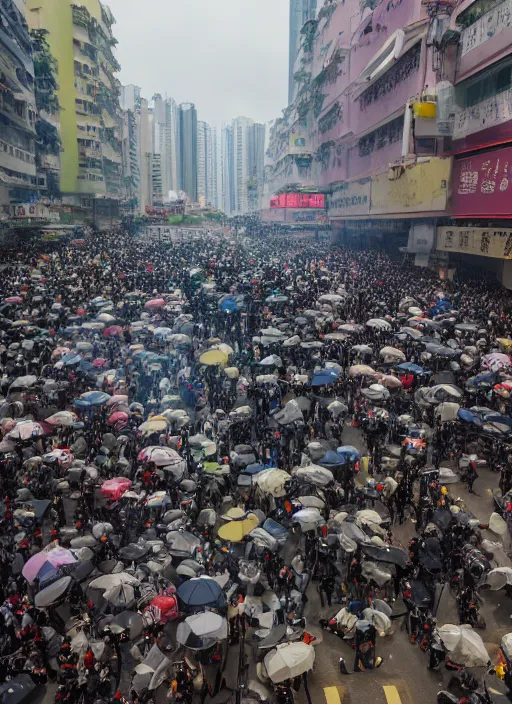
(482, 185)
(420, 188)
(298, 200)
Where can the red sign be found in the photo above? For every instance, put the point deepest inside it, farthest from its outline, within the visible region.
(482, 185)
(298, 200)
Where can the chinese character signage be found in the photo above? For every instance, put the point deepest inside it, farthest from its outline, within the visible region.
(352, 199)
(486, 27)
(298, 200)
(491, 112)
(484, 242)
(299, 217)
(482, 185)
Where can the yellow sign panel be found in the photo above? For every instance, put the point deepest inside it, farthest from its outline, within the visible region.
(420, 188)
(298, 142)
(482, 241)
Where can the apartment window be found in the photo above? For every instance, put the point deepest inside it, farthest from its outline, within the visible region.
(486, 84)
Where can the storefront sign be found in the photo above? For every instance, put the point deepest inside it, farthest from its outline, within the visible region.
(486, 27)
(298, 200)
(484, 242)
(305, 216)
(420, 188)
(482, 184)
(28, 211)
(352, 199)
(491, 112)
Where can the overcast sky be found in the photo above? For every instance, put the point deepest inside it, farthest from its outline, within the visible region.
(229, 57)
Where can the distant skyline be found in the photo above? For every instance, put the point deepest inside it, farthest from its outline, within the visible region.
(229, 57)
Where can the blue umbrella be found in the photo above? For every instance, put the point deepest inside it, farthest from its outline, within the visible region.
(411, 368)
(96, 398)
(468, 416)
(331, 459)
(349, 452)
(82, 403)
(275, 529)
(201, 591)
(255, 468)
(229, 304)
(69, 360)
(482, 381)
(325, 377)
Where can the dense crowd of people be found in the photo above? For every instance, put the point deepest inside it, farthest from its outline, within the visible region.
(176, 482)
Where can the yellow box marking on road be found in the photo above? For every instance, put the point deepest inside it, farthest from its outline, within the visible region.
(332, 696)
(392, 696)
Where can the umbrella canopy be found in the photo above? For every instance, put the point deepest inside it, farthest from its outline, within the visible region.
(361, 370)
(496, 361)
(45, 560)
(161, 456)
(52, 593)
(325, 377)
(201, 591)
(213, 358)
(289, 660)
(391, 354)
(154, 303)
(201, 631)
(272, 481)
(378, 324)
(313, 473)
(464, 645)
(154, 425)
(26, 429)
(64, 419)
(236, 530)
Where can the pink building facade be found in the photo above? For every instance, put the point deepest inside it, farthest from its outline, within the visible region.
(362, 71)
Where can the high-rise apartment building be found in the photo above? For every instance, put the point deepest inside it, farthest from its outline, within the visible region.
(17, 107)
(188, 150)
(130, 101)
(300, 12)
(256, 165)
(91, 125)
(202, 189)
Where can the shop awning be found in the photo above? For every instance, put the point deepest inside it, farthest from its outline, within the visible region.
(396, 46)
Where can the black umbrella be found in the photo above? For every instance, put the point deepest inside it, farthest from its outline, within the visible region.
(393, 555)
(16, 690)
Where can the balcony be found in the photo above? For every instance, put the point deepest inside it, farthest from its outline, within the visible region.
(475, 41)
(90, 153)
(16, 159)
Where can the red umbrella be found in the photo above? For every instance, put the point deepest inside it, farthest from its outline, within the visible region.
(155, 303)
(13, 299)
(165, 608)
(99, 362)
(117, 416)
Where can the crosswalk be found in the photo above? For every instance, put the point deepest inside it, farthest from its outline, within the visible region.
(340, 694)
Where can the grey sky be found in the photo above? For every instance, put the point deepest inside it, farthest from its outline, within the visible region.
(229, 57)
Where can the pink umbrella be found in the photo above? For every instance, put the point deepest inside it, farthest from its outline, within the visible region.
(155, 303)
(59, 352)
(56, 557)
(115, 488)
(99, 362)
(13, 299)
(117, 416)
(113, 331)
(26, 429)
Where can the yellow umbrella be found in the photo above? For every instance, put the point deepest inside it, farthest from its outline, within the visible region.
(225, 349)
(20, 323)
(504, 342)
(212, 358)
(154, 425)
(234, 514)
(235, 531)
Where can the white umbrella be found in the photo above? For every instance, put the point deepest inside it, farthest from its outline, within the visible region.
(108, 581)
(272, 481)
(464, 645)
(378, 324)
(289, 660)
(308, 519)
(391, 354)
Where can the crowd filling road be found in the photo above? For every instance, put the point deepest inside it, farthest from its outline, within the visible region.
(176, 489)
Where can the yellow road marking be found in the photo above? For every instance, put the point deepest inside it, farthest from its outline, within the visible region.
(332, 696)
(392, 695)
